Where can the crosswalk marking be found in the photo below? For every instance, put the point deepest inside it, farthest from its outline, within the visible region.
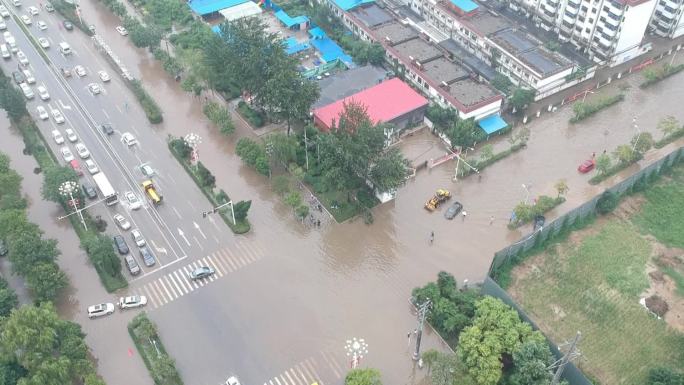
(180, 281)
(309, 368)
(178, 290)
(333, 367)
(294, 374)
(220, 262)
(159, 292)
(218, 271)
(152, 299)
(161, 282)
(229, 258)
(187, 274)
(302, 373)
(170, 290)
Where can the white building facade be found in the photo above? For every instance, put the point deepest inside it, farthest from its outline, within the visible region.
(667, 20)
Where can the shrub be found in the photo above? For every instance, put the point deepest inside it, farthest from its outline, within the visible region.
(255, 118)
(220, 117)
(607, 202)
(181, 148)
(205, 176)
(584, 110)
(152, 110)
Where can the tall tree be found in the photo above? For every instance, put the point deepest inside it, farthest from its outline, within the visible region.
(390, 171)
(444, 369)
(46, 280)
(642, 142)
(53, 179)
(29, 249)
(603, 163)
(669, 125)
(531, 362)
(12, 101)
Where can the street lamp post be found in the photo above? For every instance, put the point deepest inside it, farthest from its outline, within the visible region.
(193, 140)
(458, 162)
(67, 190)
(527, 188)
(585, 95)
(216, 209)
(356, 348)
(638, 132)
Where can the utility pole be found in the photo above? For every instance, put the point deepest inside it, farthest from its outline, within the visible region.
(306, 149)
(570, 354)
(422, 313)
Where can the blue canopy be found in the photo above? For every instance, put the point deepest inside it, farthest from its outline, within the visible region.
(347, 5)
(317, 33)
(290, 21)
(492, 124)
(205, 7)
(292, 46)
(465, 5)
(330, 50)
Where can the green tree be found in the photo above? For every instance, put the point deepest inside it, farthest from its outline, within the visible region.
(521, 98)
(429, 358)
(241, 208)
(280, 185)
(283, 148)
(531, 362)
(205, 176)
(561, 187)
(14, 222)
(486, 152)
(445, 369)
(642, 142)
(440, 116)
(46, 280)
(12, 101)
(625, 154)
(664, 376)
(181, 148)
(164, 368)
(144, 328)
(669, 125)
(145, 36)
(376, 54)
(29, 249)
(293, 199)
(603, 163)
(53, 178)
(101, 253)
(249, 151)
(302, 211)
(389, 171)
(220, 117)
(502, 83)
(8, 300)
(11, 372)
(465, 133)
(363, 377)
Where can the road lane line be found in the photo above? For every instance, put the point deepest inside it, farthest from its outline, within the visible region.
(105, 113)
(180, 293)
(176, 211)
(159, 292)
(217, 259)
(198, 243)
(190, 203)
(161, 282)
(180, 281)
(218, 271)
(308, 366)
(214, 236)
(150, 296)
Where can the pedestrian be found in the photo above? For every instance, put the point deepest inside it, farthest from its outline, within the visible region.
(491, 220)
(604, 152)
(320, 208)
(318, 222)
(464, 213)
(432, 237)
(593, 155)
(409, 339)
(479, 177)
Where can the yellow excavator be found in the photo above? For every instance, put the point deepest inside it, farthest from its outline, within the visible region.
(441, 195)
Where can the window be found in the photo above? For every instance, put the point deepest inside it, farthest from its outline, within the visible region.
(594, 10)
(587, 30)
(584, 8)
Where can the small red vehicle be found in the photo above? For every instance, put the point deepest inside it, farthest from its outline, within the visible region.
(586, 166)
(76, 167)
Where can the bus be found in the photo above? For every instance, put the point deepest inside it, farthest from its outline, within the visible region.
(106, 189)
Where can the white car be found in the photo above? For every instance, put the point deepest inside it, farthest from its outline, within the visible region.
(91, 166)
(44, 42)
(94, 88)
(57, 115)
(26, 19)
(3, 25)
(122, 222)
(147, 170)
(41, 25)
(80, 71)
(29, 77)
(104, 76)
(138, 238)
(100, 310)
(33, 10)
(43, 93)
(121, 30)
(128, 139)
(22, 58)
(7, 35)
(4, 12)
(133, 200)
(71, 135)
(232, 380)
(82, 151)
(28, 92)
(66, 154)
(132, 301)
(57, 136)
(42, 113)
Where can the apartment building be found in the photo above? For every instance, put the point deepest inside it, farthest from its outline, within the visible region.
(609, 31)
(667, 20)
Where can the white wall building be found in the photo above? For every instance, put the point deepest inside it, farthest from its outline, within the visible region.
(667, 20)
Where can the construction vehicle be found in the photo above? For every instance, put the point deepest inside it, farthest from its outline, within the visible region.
(440, 196)
(152, 192)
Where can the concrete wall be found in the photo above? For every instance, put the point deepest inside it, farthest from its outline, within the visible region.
(634, 25)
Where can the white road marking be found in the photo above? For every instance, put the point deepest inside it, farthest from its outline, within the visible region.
(199, 230)
(180, 281)
(150, 296)
(182, 235)
(218, 261)
(177, 213)
(159, 292)
(105, 113)
(218, 271)
(180, 293)
(198, 243)
(161, 282)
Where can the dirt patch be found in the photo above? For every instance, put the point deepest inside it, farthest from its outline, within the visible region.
(629, 206)
(657, 305)
(662, 297)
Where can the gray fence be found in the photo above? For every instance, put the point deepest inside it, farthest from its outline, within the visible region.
(572, 374)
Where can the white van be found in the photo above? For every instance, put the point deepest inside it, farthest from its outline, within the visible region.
(64, 48)
(28, 92)
(12, 44)
(5, 52)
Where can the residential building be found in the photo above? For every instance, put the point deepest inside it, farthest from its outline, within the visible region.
(667, 20)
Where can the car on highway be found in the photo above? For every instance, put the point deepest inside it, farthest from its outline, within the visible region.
(147, 257)
(147, 170)
(82, 150)
(121, 30)
(100, 310)
(232, 380)
(80, 71)
(48, 7)
(45, 43)
(42, 113)
(68, 25)
(453, 210)
(26, 19)
(57, 115)
(132, 301)
(17, 3)
(71, 135)
(94, 88)
(33, 11)
(18, 77)
(66, 154)
(107, 128)
(137, 237)
(30, 79)
(122, 222)
(128, 139)
(586, 166)
(202, 272)
(41, 25)
(76, 167)
(4, 12)
(120, 245)
(57, 136)
(132, 265)
(43, 93)
(7, 35)
(65, 72)
(133, 200)
(23, 60)
(89, 191)
(28, 92)
(3, 25)
(91, 166)
(104, 76)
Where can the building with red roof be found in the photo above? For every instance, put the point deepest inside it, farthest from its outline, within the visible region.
(391, 101)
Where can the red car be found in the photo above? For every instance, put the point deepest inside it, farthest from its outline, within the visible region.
(74, 165)
(586, 166)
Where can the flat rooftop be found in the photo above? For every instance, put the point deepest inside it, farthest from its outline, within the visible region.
(346, 83)
(396, 32)
(443, 70)
(531, 51)
(470, 92)
(471, 61)
(419, 50)
(372, 15)
(483, 22)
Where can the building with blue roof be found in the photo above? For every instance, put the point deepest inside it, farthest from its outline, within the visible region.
(348, 5)
(467, 6)
(292, 22)
(207, 7)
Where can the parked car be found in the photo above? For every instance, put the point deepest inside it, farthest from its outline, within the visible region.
(27, 91)
(586, 166)
(202, 272)
(128, 139)
(33, 11)
(45, 43)
(23, 60)
(94, 88)
(26, 19)
(71, 135)
(232, 380)
(453, 210)
(4, 12)
(76, 167)
(147, 257)
(89, 191)
(42, 113)
(132, 265)
(18, 77)
(107, 128)
(66, 154)
(91, 166)
(104, 76)
(30, 79)
(539, 221)
(80, 71)
(3, 25)
(68, 25)
(57, 136)
(82, 150)
(41, 25)
(132, 301)
(48, 7)
(122, 222)
(120, 245)
(133, 200)
(121, 30)
(137, 237)
(100, 310)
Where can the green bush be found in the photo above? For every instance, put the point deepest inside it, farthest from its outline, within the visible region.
(525, 212)
(68, 11)
(255, 118)
(152, 110)
(170, 64)
(253, 154)
(584, 110)
(205, 176)
(220, 116)
(654, 75)
(607, 202)
(161, 367)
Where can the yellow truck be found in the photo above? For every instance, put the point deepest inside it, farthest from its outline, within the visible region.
(440, 196)
(152, 192)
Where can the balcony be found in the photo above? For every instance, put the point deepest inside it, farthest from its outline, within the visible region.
(568, 19)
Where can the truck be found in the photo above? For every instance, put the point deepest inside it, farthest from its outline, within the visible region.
(440, 196)
(152, 192)
(106, 190)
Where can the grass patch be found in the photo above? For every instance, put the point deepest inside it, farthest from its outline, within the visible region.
(593, 287)
(663, 212)
(68, 11)
(677, 277)
(152, 110)
(255, 118)
(584, 110)
(655, 75)
(163, 373)
(341, 204)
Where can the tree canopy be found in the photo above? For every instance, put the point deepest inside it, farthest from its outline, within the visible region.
(363, 377)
